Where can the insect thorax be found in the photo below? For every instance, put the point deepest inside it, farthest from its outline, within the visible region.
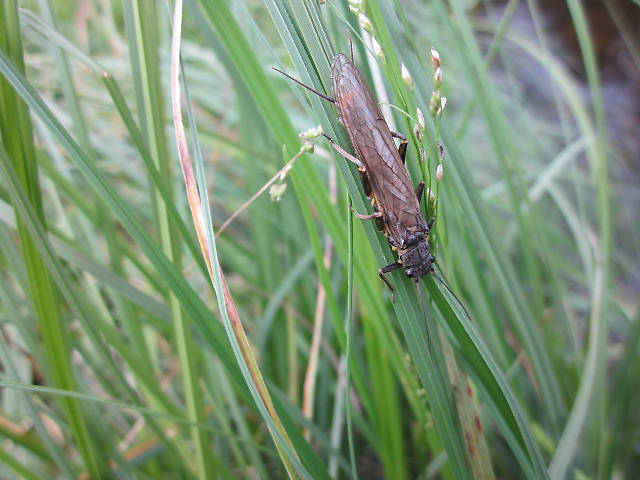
(417, 259)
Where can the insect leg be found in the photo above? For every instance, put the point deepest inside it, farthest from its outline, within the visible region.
(399, 135)
(430, 224)
(344, 153)
(419, 190)
(386, 269)
(402, 148)
(365, 216)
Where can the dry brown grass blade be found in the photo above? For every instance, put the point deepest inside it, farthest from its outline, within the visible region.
(196, 208)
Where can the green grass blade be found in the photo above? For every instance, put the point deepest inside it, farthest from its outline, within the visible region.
(17, 138)
(349, 329)
(143, 18)
(591, 395)
(522, 315)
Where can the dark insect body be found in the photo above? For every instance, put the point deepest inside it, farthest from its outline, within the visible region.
(381, 164)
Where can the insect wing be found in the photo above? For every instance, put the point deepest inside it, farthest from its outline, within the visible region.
(372, 140)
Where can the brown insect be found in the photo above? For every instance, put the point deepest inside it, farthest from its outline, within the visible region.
(384, 176)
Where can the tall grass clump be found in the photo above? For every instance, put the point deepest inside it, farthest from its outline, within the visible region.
(145, 335)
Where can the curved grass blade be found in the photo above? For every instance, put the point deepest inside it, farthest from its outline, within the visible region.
(198, 204)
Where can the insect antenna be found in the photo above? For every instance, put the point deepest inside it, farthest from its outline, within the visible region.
(444, 284)
(329, 99)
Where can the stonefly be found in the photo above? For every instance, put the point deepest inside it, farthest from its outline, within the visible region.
(384, 176)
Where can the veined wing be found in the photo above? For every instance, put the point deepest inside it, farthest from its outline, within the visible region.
(390, 183)
(374, 145)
